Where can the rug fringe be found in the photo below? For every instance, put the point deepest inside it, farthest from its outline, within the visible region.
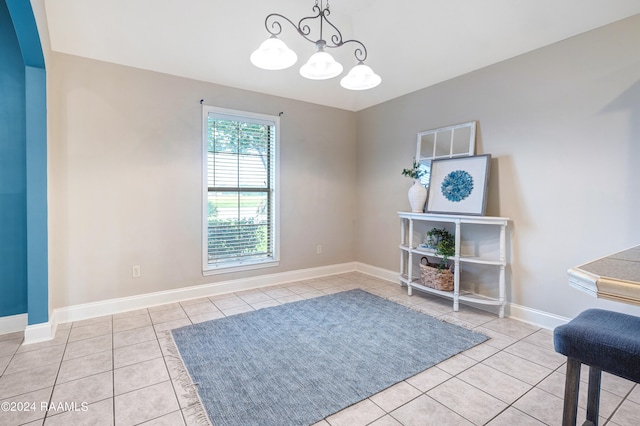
(187, 384)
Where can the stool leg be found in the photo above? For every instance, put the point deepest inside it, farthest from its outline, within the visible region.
(593, 397)
(571, 388)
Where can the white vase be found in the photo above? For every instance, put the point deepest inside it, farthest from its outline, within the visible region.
(417, 196)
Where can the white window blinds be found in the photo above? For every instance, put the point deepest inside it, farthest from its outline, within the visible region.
(240, 192)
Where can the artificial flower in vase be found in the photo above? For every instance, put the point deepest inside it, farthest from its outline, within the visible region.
(417, 193)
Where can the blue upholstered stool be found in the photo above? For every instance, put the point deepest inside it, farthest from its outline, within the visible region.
(604, 340)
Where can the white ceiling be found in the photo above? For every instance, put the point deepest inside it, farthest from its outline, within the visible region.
(411, 44)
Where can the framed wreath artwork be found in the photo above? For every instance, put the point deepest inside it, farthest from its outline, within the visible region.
(459, 185)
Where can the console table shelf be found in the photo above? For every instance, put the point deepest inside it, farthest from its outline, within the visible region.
(479, 241)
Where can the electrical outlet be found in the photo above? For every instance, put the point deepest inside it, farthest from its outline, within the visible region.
(135, 271)
(319, 249)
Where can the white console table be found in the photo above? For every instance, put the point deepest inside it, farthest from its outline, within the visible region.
(473, 253)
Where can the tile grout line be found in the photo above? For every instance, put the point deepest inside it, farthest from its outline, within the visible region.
(164, 359)
(625, 398)
(53, 388)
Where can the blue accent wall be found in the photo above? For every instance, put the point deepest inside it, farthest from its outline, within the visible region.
(24, 284)
(13, 182)
(36, 168)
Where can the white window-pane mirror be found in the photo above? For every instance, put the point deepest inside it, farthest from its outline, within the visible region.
(462, 142)
(427, 142)
(445, 142)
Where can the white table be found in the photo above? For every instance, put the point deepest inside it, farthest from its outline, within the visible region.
(614, 277)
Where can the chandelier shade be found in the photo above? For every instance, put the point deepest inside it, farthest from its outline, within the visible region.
(321, 66)
(361, 77)
(273, 54)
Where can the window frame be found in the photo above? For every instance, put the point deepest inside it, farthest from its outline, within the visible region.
(247, 264)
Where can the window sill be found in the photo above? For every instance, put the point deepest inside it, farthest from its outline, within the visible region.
(211, 270)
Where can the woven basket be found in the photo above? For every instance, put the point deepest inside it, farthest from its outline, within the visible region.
(432, 277)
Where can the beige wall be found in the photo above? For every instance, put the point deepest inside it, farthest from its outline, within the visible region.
(563, 126)
(125, 180)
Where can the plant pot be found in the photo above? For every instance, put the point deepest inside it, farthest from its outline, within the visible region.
(417, 196)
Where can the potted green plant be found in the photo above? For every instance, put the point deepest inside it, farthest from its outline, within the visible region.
(417, 193)
(414, 172)
(444, 244)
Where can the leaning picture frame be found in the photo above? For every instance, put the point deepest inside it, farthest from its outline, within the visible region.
(459, 185)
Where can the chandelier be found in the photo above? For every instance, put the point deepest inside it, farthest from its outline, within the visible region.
(273, 53)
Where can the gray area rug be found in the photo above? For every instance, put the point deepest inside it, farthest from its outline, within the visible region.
(297, 363)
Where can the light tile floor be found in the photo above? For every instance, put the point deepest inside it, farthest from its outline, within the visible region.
(119, 369)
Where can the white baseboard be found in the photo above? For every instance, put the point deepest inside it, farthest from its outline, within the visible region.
(123, 304)
(46, 331)
(535, 317)
(40, 332)
(521, 313)
(381, 273)
(13, 323)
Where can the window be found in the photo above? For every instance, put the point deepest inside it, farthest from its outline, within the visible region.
(240, 190)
